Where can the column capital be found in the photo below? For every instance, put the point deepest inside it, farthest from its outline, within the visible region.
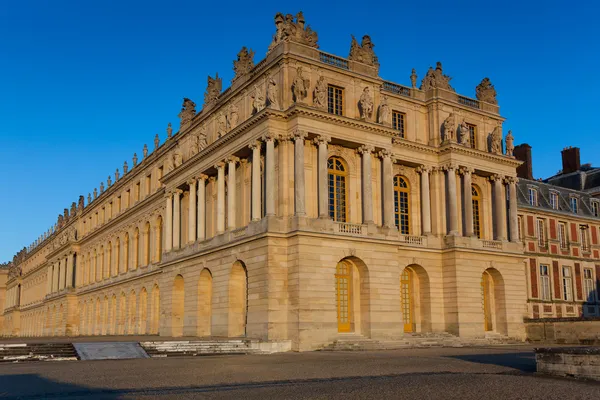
(202, 177)
(255, 145)
(511, 180)
(232, 159)
(422, 169)
(496, 177)
(299, 134)
(466, 170)
(269, 137)
(284, 137)
(322, 139)
(365, 149)
(191, 181)
(168, 194)
(212, 178)
(220, 165)
(178, 191)
(449, 167)
(244, 161)
(385, 153)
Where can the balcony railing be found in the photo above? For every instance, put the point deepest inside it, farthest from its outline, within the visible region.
(396, 89)
(492, 244)
(413, 240)
(333, 60)
(468, 102)
(352, 229)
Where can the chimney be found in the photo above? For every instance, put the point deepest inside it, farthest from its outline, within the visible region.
(570, 160)
(522, 152)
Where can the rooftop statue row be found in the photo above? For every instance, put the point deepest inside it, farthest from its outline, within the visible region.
(288, 29)
(449, 135)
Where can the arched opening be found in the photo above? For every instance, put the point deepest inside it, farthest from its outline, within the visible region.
(337, 177)
(143, 312)
(126, 252)
(108, 261)
(415, 299)
(476, 195)
(493, 302)
(117, 262)
(82, 318)
(238, 299)
(204, 303)
(155, 311)
(352, 296)
(136, 248)
(132, 320)
(177, 306)
(146, 259)
(122, 314)
(98, 322)
(402, 204)
(113, 315)
(158, 239)
(58, 320)
(105, 316)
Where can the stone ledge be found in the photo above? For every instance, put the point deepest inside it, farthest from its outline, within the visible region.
(568, 350)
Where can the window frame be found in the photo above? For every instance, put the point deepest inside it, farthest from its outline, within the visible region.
(567, 283)
(532, 196)
(545, 283)
(595, 208)
(562, 235)
(402, 132)
(554, 200)
(574, 204)
(541, 235)
(332, 100)
(589, 286)
(343, 174)
(476, 200)
(584, 238)
(472, 135)
(398, 215)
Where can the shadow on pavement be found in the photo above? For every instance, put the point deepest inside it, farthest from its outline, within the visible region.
(33, 386)
(524, 362)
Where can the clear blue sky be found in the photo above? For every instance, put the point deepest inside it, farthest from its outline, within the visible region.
(84, 84)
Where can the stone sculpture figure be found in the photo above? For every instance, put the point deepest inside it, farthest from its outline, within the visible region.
(366, 104)
(177, 158)
(101, 187)
(510, 144)
(244, 62)
(213, 89)
(272, 93)
(169, 131)
(449, 129)
(384, 112)
(320, 95)
(496, 141)
(202, 143)
(135, 159)
(145, 150)
(188, 110)
(233, 116)
(89, 198)
(299, 86)
(286, 29)
(435, 78)
(485, 91)
(109, 182)
(221, 124)
(465, 134)
(194, 145)
(413, 78)
(125, 168)
(117, 175)
(95, 193)
(156, 142)
(73, 209)
(364, 52)
(258, 99)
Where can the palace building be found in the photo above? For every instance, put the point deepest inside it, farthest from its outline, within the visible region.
(312, 200)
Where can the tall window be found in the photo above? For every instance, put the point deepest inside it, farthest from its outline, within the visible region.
(567, 284)
(337, 175)
(335, 100)
(554, 200)
(588, 285)
(574, 205)
(583, 232)
(476, 211)
(544, 282)
(562, 235)
(520, 227)
(595, 209)
(541, 233)
(532, 196)
(473, 135)
(398, 122)
(401, 205)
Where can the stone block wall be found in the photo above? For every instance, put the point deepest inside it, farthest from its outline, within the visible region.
(564, 330)
(578, 362)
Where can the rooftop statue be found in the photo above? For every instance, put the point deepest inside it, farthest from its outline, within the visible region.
(73, 209)
(244, 62)
(449, 129)
(465, 134)
(258, 99)
(364, 52)
(145, 150)
(188, 110)
(213, 90)
(233, 116)
(135, 159)
(384, 112)
(169, 131)
(435, 78)
(320, 95)
(272, 93)
(413, 78)
(366, 104)
(495, 140)
(510, 144)
(295, 31)
(156, 142)
(485, 91)
(221, 124)
(125, 167)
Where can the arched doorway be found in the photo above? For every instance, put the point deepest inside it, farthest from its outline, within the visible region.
(493, 301)
(113, 315)
(352, 296)
(238, 300)
(155, 311)
(178, 306)
(105, 319)
(415, 299)
(122, 314)
(132, 320)
(204, 303)
(143, 329)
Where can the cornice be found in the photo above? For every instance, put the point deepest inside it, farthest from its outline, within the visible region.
(483, 155)
(556, 213)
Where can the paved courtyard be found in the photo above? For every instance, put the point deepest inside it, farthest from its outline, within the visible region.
(440, 373)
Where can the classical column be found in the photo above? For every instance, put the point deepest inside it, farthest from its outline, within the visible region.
(192, 212)
(321, 142)
(256, 215)
(220, 197)
(468, 200)
(499, 203)
(451, 202)
(269, 175)
(61, 275)
(388, 189)
(367, 184)
(70, 266)
(299, 181)
(169, 223)
(512, 200)
(49, 279)
(202, 207)
(425, 200)
(176, 219)
(231, 196)
(55, 278)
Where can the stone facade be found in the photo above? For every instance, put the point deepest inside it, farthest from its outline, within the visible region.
(305, 217)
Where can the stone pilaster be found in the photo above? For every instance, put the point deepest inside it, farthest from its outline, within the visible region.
(512, 207)
(201, 230)
(231, 195)
(220, 197)
(451, 201)
(299, 180)
(256, 195)
(388, 189)
(425, 200)
(269, 175)
(192, 211)
(177, 218)
(499, 205)
(367, 184)
(70, 267)
(468, 200)
(321, 141)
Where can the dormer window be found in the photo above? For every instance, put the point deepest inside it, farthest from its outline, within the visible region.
(532, 196)
(574, 204)
(595, 209)
(554, 200)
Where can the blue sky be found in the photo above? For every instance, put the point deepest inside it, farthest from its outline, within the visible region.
(84, 84)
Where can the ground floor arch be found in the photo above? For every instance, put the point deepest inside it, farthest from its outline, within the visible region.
(204, 303)
(238, 299)
(415, 299)
(178, 306)
(352, 290)
(493, 302)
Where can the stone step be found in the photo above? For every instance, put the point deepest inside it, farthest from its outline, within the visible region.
(37, 352)
(198, 348)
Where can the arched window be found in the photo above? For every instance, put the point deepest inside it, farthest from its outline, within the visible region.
(337, 176)
(343, 283)
(476, 211)
(401, 204)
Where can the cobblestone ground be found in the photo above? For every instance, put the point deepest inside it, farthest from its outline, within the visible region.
(466, 373)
